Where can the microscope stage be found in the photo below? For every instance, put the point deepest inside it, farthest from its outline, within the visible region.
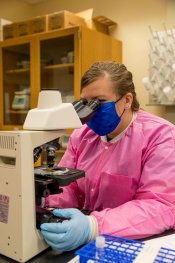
(62, 175)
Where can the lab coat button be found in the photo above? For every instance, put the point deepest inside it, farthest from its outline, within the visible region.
(92, 190)
(106, 147)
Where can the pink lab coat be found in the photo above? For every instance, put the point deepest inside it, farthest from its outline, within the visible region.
(129, 183)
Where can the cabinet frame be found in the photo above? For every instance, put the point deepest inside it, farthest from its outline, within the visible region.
(6, 44)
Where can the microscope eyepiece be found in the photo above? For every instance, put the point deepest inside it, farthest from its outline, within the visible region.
(94, 104)
(86, 110)
(79, 104)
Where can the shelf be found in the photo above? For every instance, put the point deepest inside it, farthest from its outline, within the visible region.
(18, 111)
(59, 66)
(14, 71)
(14, 127)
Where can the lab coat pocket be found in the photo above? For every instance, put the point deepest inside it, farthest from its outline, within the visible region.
(114, 190)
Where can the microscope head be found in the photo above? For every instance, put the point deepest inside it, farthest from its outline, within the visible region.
(51, 114)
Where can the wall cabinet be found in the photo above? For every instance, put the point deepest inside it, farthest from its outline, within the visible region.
(51, 60)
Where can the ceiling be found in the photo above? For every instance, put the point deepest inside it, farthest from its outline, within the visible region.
(33, 1)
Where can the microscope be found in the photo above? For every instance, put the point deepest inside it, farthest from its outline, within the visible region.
(23, 187)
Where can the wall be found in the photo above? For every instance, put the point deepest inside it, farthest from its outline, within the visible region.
(15, 10)
(133, 18)
(170, 13)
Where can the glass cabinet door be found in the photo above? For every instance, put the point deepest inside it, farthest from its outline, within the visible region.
(57, 65)
(16, 83)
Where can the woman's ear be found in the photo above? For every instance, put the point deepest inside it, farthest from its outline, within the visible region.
(128, 99)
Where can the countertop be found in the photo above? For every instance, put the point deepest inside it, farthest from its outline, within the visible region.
(47, 256)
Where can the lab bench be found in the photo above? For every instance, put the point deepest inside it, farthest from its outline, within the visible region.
(47, 256)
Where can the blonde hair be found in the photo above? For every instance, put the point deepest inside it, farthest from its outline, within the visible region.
(120, 77)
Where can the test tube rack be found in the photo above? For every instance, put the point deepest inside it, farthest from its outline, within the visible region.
(161, 81)
(120, 250)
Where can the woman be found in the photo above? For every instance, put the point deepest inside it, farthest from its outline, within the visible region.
(128, 157)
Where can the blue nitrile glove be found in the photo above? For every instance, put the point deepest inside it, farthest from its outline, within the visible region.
(69, 234)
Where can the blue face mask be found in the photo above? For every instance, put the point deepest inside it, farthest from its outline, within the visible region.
(105, 119)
